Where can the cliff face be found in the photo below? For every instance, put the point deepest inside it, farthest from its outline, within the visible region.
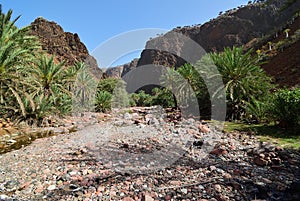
(63, 45)
(234, 28)
(283, 63)
(120, 71)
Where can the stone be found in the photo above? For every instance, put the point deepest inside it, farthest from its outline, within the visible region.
(184, 190)
(222, 198)
(203, 128)
(168, 198)
(51, 187)
(4, 197)
(198, 143)
(276, 161)
(147, 198)
(218, 188)
(127, 116)
(227, 176)
(260, 161)
(127, 199)
(11, 141)
(175, 183)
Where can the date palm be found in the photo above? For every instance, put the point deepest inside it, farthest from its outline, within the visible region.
(48, 76)
(244, 79)
(84, 88)
(17, 50)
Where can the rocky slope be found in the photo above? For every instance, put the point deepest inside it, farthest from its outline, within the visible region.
(119, 71)
(64, 45)
(234, 28)
(284, 61)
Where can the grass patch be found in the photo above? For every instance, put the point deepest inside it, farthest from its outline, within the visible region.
(288, 138)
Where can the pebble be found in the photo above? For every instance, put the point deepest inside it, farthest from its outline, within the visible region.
(4, 197)
(86, 176)
(51, 187)
(184, 190)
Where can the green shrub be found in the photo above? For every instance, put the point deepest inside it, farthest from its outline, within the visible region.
(108, 84)
(286, 107)
(111, 92)
(259, 111)
(103, 101)
(141, 99)
(120, 97)
(244, 80)
(162, 97)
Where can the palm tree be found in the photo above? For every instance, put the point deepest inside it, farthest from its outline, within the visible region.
(85, 87)
(17, 50)
(168, 80)
(49, 76)
(243, 78)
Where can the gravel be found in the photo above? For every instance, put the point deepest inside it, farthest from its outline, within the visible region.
(130, 157)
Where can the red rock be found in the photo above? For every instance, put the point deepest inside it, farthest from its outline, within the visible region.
(175, 183)
(237, 172)
(147, 198)
(100, 188)
(112, 193)
(168, 198)
(224, 152)
(218, 188)
(25, 185)
(260, 161)
(215, 152)
(39, 189)
(203, 128)
(222, 197)
(127, 199)
(276, 161)
(227, 176)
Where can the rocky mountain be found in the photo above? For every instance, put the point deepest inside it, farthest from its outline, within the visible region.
(233, 28)
(64, 45)
(283, 61)
(119, 71)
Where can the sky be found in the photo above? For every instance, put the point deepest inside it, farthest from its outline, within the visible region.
(98, 22)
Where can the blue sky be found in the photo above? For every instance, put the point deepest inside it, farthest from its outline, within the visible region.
(97, 21)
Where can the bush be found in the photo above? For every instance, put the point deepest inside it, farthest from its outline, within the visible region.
(103, 101)
(141, 99)
(286, 107)
(120, 97)
(108, 84)
(244, 80)
(162, 97)
(111, 92)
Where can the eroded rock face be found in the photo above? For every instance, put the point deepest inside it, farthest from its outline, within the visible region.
(119, 71)
(63, 45)
(234, 28)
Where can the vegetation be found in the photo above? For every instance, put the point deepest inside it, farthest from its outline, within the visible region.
(286, 107)
(111, 92)
(34, 85)
(268, 133)
(245, 81)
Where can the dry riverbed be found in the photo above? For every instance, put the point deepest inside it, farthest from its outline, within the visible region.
(140, 155)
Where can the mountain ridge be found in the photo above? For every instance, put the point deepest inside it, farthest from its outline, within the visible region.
(63, 45)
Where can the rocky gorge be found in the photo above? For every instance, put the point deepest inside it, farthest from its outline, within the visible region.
(151, 153)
